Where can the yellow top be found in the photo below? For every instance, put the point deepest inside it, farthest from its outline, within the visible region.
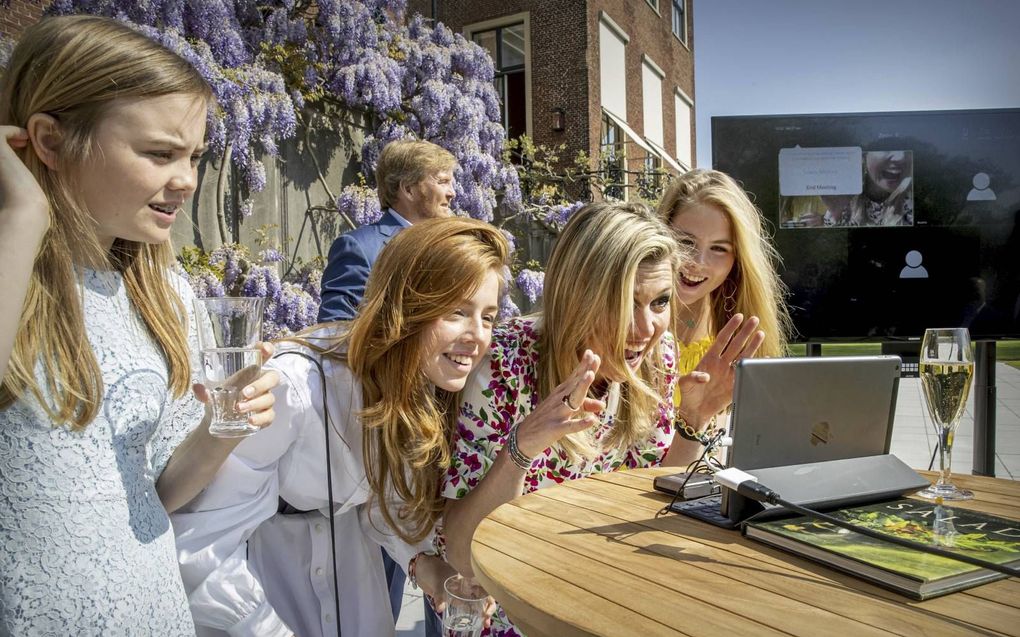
(690, 356)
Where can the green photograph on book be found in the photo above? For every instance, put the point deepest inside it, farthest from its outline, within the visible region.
(909, 571)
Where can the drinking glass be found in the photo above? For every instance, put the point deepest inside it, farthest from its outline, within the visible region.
(229, 330)
(465, 607)
(946, 369)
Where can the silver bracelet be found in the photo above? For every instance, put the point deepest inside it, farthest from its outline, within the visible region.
(516, 456)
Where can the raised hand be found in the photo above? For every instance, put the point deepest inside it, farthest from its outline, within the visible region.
(20, 194)
(566, 410)
(709, 388)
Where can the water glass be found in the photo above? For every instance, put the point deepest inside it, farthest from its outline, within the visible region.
(229, 330)
(465, 607)
(946, 369)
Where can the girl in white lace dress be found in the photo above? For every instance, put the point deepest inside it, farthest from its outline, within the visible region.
(100, 133)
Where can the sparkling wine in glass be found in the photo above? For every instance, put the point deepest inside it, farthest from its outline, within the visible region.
(465, 607)
(946, 369)
(229, 329)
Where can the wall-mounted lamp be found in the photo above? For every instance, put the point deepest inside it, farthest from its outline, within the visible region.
(559, 122)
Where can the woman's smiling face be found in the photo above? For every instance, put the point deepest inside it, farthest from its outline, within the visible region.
(707, 232)
(887, 169)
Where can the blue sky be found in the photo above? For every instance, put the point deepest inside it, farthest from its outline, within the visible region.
(754, 57)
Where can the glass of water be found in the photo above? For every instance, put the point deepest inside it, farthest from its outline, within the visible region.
(465, 607)
(229, 330)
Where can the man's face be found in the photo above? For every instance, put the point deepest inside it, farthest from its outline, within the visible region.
(430, 199)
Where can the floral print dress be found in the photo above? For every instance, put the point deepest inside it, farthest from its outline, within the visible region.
(503, 391)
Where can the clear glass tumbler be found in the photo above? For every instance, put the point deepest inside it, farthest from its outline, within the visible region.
(229, 330)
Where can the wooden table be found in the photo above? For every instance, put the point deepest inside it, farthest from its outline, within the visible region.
(589, 557)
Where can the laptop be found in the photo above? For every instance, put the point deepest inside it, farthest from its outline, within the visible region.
(797, 411)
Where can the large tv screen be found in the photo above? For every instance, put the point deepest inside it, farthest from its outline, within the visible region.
(888, 223)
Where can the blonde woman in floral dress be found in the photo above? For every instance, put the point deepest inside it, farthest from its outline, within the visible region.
(584, 386)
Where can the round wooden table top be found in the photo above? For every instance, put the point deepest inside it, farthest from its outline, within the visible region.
(589, 557)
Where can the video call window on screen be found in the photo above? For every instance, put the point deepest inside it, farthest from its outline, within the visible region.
(887, 223)
(845, 186)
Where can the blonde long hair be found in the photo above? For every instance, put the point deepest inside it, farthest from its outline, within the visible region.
(425, 272)
(589, 297)
(73, 68)
(753, 285)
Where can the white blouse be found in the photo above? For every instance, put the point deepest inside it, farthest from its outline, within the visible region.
(249, 570)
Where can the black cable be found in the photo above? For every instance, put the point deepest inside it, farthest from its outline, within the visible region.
(761, 493)
(329, 478)
(692, 469)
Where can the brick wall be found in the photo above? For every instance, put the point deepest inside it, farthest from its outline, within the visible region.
(565, 61)
(559, 73)
(650, 34)
(20, 14)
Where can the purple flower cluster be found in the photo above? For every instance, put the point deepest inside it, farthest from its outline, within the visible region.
(290, 311)
(310, 280)
(560, 214)
(205, 284)
(270, 59)
(291, 305)
(231, 259)
(360, 203)
(530, 283)
(446, 96)
(254, 109)
(271, 255)
(507, 307)
(510, 238)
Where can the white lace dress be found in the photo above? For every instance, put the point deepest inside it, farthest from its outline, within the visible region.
(86, 547)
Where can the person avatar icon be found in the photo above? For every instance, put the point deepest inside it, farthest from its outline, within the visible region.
(914, 269)
(981, 190)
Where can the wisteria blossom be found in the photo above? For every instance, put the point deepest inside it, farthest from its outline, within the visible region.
(253, 109)
(291, 305)
(560, 214)
(359, 203)
(274, 62)
(530, 283)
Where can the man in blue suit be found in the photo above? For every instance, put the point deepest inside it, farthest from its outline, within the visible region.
(415, 182)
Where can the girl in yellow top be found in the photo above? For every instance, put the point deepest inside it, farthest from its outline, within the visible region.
(732, 274)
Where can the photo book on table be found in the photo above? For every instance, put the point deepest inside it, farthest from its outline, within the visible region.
(911, 572)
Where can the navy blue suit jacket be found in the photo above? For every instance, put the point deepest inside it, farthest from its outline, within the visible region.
(350, 260)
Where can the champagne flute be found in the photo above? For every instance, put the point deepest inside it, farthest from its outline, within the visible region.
(464, 615)
(946, 369)
(229, 329)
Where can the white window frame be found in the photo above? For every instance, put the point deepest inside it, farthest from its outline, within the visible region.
(673, 20)
(679, 94)
(505, 21)
(617, 106)
(653, 68)
(604, 122)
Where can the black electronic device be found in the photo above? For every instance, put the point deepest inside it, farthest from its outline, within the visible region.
(887, 223)
(695, 486)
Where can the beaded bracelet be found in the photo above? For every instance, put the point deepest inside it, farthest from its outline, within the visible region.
(516, 455)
